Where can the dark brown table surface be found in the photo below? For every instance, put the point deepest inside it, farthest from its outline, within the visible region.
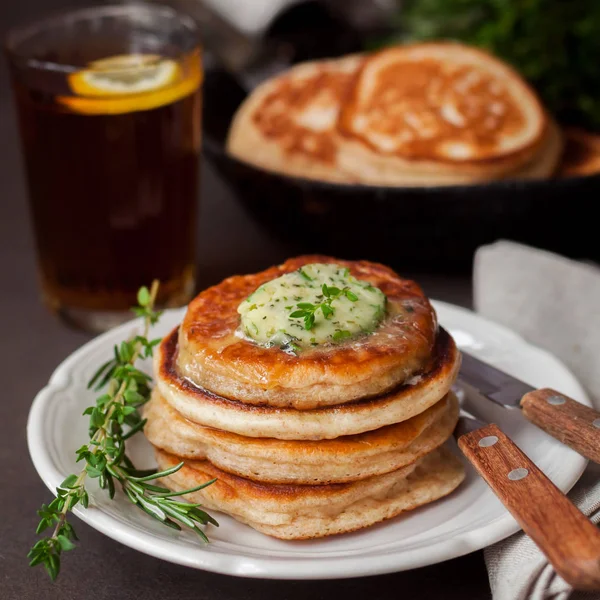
(34, 342)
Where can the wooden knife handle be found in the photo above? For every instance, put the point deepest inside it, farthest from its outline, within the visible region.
(568, 421)
(570, 541)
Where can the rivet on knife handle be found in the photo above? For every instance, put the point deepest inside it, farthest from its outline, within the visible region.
(570, 541)
(571, 422)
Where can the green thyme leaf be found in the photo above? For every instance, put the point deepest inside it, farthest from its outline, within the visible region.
(65, 542)
(338, 336)
(99, 373)
(127, 388)
(326, 310)
(309, 321)
(69, 482)
(143, 296)
(306, 305)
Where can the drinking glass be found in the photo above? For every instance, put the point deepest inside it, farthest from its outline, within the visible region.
(108, 102)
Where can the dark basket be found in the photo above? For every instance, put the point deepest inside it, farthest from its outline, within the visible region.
(435, 229)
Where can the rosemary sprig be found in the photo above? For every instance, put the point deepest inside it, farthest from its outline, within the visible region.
(308, 310)
(105, 457)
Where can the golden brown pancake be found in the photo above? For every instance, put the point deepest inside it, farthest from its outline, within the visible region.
(327, 440)
(208, 409)
(545, 163)
(444, 102)
(270, 460)
(312, 511)
(214, 357)
(289, 123)
(424, 114)
(581, 155)
(396, 171)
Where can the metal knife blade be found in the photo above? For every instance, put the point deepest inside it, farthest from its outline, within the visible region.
(466, 424)
(498, 386)
(565, 419)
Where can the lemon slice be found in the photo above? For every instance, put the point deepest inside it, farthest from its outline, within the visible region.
(132, 82)
(124, 75)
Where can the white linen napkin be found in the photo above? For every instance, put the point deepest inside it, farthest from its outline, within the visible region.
(553, 302)
(252, 17)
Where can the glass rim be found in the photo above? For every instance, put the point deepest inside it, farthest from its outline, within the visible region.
(21, 33)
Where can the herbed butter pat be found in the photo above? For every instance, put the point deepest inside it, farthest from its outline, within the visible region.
(317, 304)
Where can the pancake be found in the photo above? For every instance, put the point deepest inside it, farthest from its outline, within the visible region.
(383, 170)
(308, 512)
(302, 462)
(288, 124)
(212, 354)
(438, 113)
(441, 110)
(208, 409)
(546, 162)
(581, 155)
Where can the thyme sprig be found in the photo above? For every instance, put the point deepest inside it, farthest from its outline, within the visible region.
(105, 457)
(308, 310)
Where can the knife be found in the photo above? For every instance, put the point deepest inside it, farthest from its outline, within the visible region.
(568, 421)
(570, 541)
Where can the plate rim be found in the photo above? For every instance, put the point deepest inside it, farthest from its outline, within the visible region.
(267, 567)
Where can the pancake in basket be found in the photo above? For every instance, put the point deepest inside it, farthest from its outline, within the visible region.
(306, 512)
(397, 172)
(205, 408)
(436, 113)
(303, 462)
(288, 123)
(213, 355)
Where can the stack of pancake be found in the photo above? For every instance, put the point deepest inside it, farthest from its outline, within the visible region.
(411, 115)
(315, 442)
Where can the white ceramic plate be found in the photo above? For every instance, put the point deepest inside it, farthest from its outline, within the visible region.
(470, 519)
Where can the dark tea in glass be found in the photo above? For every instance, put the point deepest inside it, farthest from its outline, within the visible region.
(108, 101)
